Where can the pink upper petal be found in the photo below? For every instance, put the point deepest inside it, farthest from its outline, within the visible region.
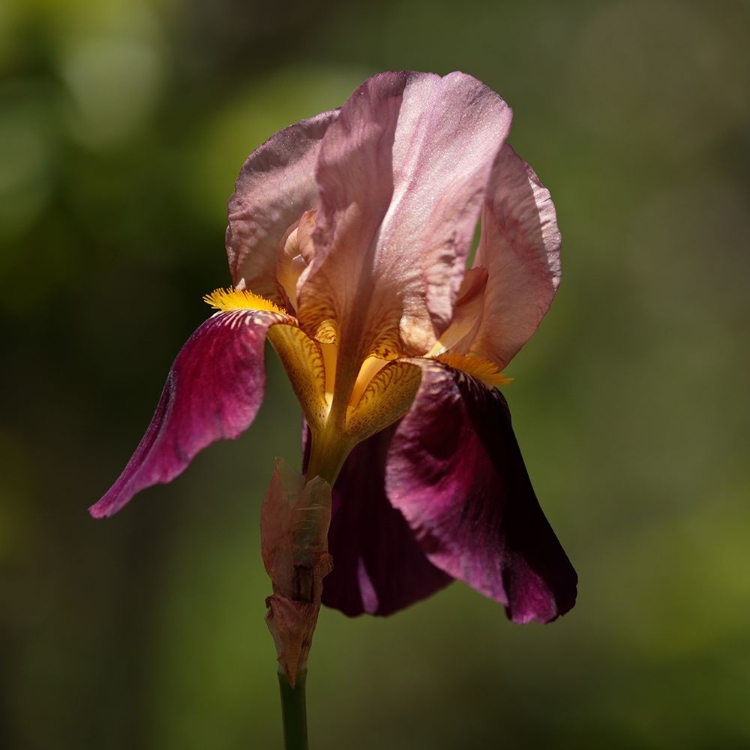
(213, 391)
(275, 187)
(402, 173)
(455, 471)
(378, 565)
(520, 248)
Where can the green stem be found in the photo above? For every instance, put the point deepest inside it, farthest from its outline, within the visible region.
(294, 711)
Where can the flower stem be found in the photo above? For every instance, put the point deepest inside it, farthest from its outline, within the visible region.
(294, 711)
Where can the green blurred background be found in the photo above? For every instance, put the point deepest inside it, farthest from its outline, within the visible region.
(123, 124)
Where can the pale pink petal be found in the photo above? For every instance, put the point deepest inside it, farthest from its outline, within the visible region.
(455, 471)
(213, 391)
(275, 187)
(520, 248)
(378, 565)
(402, 174)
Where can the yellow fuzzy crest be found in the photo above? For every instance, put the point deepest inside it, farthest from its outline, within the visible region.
(240, 299)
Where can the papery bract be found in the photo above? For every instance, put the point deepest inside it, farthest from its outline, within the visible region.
(294, 523)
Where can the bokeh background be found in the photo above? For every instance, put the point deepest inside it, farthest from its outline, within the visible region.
(123, 124)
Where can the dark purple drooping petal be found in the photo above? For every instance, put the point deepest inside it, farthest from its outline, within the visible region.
(213, 391)
(378, 565)
(455, 471)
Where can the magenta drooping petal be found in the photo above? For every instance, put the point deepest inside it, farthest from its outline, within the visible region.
(275, 187)
(520, 248)
(402, 173)
(213, 391)
(378, 565)
(455, 471)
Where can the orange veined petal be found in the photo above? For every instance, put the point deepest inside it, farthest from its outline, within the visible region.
(303, 361)
(385, 400)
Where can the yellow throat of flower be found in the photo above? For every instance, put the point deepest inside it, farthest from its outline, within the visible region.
(381, 393)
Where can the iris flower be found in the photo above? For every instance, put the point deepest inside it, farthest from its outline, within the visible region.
(348, 241)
